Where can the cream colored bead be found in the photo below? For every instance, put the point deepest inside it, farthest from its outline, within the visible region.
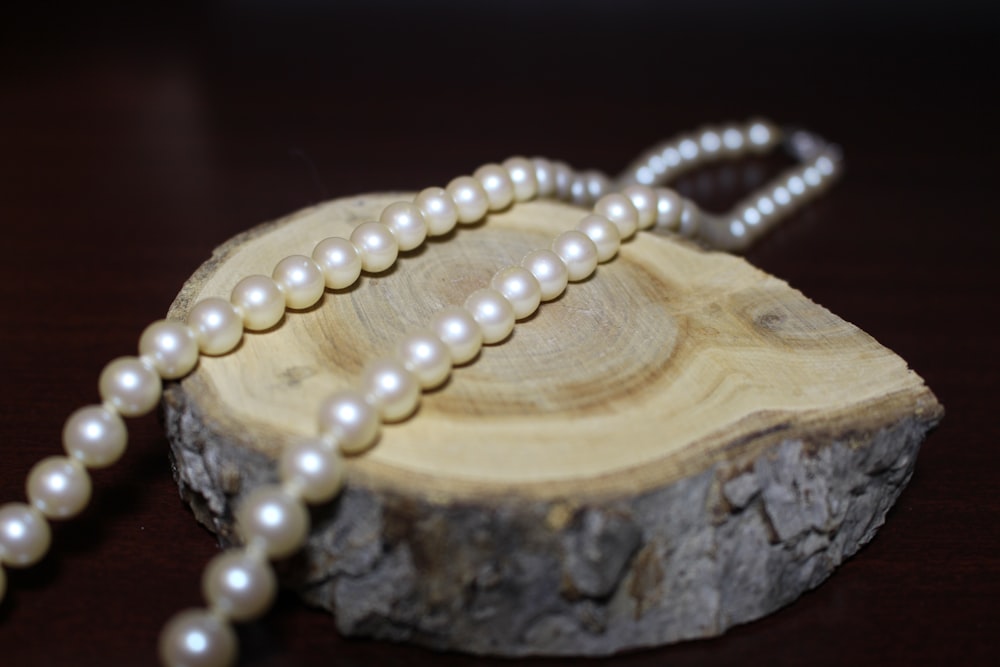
(710, 142)
(95, 436)
(644, 200)
(377, 246)
(470, 199)
(668, 208)
(563, 180)
(130, 385)
(260, 302)
(393, 390)
(25, 535)
(59, 487)
(690, 151)
(579, 194)
(217, 325)
(733, 141)
(406, 223)
(439, 210)
(271, 516)
(459, 331)
(545, 176)
(340, 261)
(577, 252)
(239, 585)
(315, 467)
(197, 638)
(301, 280)
(352, 422)
(520, 287)
(425, 355)
(761, 136)
(493, 312)
(597, 184)
(497, 185)
(690, 221)
(618, 209)
(549, 270)
(522, 174)
(603, 233)
(172, 347)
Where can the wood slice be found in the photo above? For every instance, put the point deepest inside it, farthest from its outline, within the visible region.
(679, 444)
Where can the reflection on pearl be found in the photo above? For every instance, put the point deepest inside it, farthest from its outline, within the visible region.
(376, 245)
(497, 184)
(390, 388)
(761, 136)
(171, 346)
(689, 150)
(314, 467)
(522, 175)
(268, 515)
(59, 487)
(130, 385)
(644, 200)
(577, 252)
(301, 280)
(690, 220)
(406, 223)
(438, 209)
(765, 206)
(459, 331)
(520, 287)
(260, 302)
(597, 184)
(545, 176)
(668, 208)
(751, 216)
(563, 180)
(549, 270)
(470, 199)
(349, 420)
(578, 192)
(426, 356)
(812, 177)
(671, 156)
(603, 233)
(95, 436)
(733, 141)
(781, 196)
(492, 312)
(24, 535)
(796, 185)
(239, 585)
(340, 261)
(710, 142)
(197, 638)
(619, 209)
(216, 324)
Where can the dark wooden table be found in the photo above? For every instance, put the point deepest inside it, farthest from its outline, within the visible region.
(132, 143)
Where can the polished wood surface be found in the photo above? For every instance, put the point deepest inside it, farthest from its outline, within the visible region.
(133, 143)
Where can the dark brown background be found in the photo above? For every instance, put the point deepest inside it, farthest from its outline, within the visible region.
(132, 143)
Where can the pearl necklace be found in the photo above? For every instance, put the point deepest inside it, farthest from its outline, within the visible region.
(240, 584)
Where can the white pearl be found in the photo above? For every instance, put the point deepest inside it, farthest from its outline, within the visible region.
(710, 142)
(301, 279)
(690, 221)
(644, 200)
(520, 287)
(493, 312)
(216, 324)
(522, 175)
(271, 516)
(766, 206)
(459, 331)
(577, 252)
(426, 356)
(239, 585)
(130, 385)
(733, 141)
(689, 150)
(563, 180)
(315, 467)
(171, 346)
(645, 175)
(439, 210)
(549, 270)
(340, 261)
(545, 176)
(578, 192)
(812, 177)
(197, 638)
(393, 390)
(668, 208)
(781, 196)
(825, 165)
(349, 420)
(618, 209)
(406, 223)
(95, 436)
(751, 216)
(59, 487)
(603, 233)
(25, 535)
(259, 301)
(761, 136)
(597, 184)
(737, 229)
(376, 245)
(469, 197)
(497, 185)
(671, 157)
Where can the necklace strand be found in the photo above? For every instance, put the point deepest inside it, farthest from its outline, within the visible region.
(240, 584)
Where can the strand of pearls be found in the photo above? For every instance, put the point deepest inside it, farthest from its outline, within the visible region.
(240, 584)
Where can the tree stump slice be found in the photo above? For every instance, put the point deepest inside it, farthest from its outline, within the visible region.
(679, 444)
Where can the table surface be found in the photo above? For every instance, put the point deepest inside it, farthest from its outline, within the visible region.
(133, 142)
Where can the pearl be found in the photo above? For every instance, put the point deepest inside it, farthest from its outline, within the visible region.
(301, 279)
(406, 223)
(469, 197)
(710, 142)
(825, 165)
(260, 302)
(644, 200)
(522, 175)
(563, 180)
(812, 177)
(619, 209)
(751, 216)
(197, 638)
(315, 467)
(438, 209)
(95, 436)
(171, 346)
(549, 270)
(671, 157)
(493, 312)
(577, 252)
(340, 261)
(761, 136)
(689, 150)
(131, 386)
(273, 518)
(796, 185)
(459, 331)
(59, 487)
(766, 206)
(216, 324)
(733, 141)
(645, 175)
(426, 356)
(690, 220)
(603, 233)
(668, 208)
(781, 196)
(579, 194)
(24, 535)
(239, 585)
(376, 245)
(346, 417)
(545, 176)
(497, 184)
(597, 184)
(390, 388)
(520, 288)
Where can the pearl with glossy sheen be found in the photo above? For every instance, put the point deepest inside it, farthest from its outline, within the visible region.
(426, 356)
(406, 223)
(239, 585)
(493, 312)
(644, 200)
(460, 332)
(497, 185)
(172, 347)
(522, 175)
(520, 287)
(315, 467)
(59, 487)
(197, 638)
(260, 302)
(577, 252)
(130, 385)
(272, 517)
(301, 280)
(25, 535)
(350, 420)
(376, 245)
(390, 388)
(549, 270)
(469, 197)
(95, 436)
(439, 210)
(603, 233)
(339, 260)
(618, 209)
(217, 325)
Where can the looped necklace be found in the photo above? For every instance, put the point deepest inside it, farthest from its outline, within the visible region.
(273, 521)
